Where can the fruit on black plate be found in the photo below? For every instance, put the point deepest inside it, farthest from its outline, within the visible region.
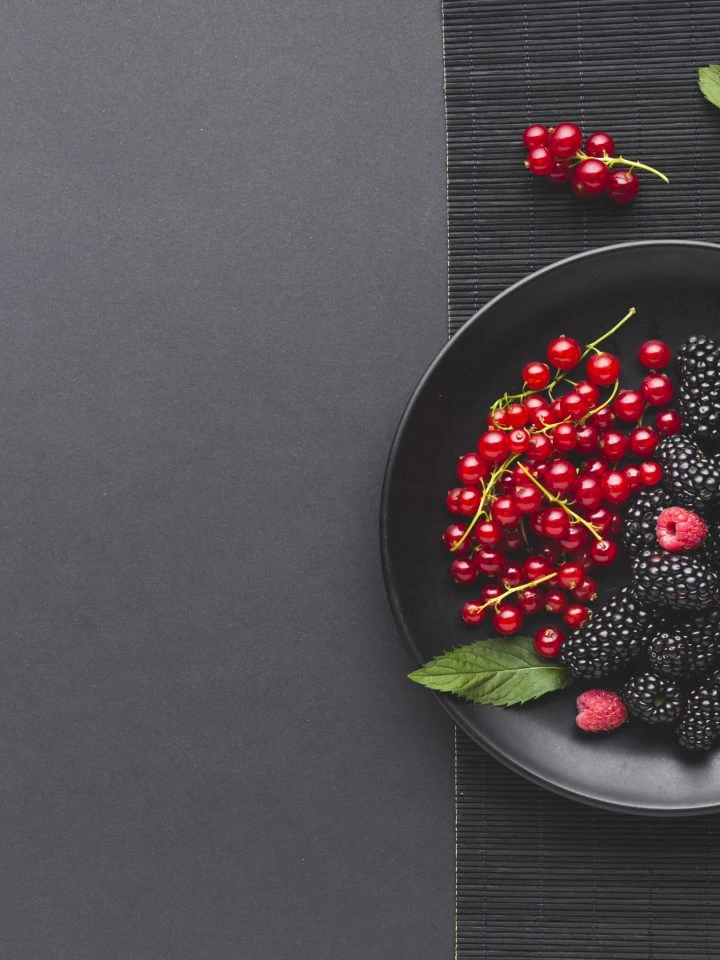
(699, 389)
(681, 581)
(614, 635)
(641, 519)
(700, 724)
(685, 644)
(691, 477)
(653, 698)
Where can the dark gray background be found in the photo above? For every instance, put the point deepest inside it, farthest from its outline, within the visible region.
(223, 269)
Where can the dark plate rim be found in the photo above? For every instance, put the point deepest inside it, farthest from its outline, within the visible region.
(593, 798)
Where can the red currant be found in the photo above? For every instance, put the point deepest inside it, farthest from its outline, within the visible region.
(616, 525)
(550, 551)
(588, 492)
(574, 405)
(497, 418)
(536, 375)
(564, 353)
(508, 619)
(535, 135)
(615, 487)
(601, 519)
(560, 476)
(589, 179)
(505, 511)
(622, 186)
(654, 354)
(600, 145)
(463, 570)
(632, 475)
(539, 161)
(493, 446)
(602, 418)
(613, 445)
(513, 538)
(574, 539)
(589, 392)
(650, 473)
(531, 600)
(452, 501)
(518, 441)
(594, 467)
(556, 601)
(587, 439)
(564, 436)
(489, 561)
(517, 415)
(535, 404)
(557, 412)
(570, 575)
(540, 447)
(512, 575)
(453, 535)
(536, 524)
(565, 140)
(576, 616)
(488, 533)
(472, 612)
(586, 590)
(560, 172)
(603, 552)
(628, 406)
(469, 501)
(507, 484)
(657, 389)
(602, 369)
(491, 592)
(527, 497)
(536, 566)
(471, 469)
(668, 423)
(643, 441)
(554, 523)
(549, 641)
(585, 560)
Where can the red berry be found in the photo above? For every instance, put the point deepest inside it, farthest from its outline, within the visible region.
(600, 711)
(657, 389)
(643, 441)
(512, 575)
(613, 445)
(533, 403)
(518, 441)
(452, 501)
(491, 592)
(600, 145)
(595, 467)
(601, 519)
(517, 415)
(680, 529)
(488, 533)
(585, 560)
(505, 511)
(469, 501)
(615, 487)
(589, 179)
(574, 406)
(560, 476)
(602, 369)
(548, 642)
(586, 590)
(472, 612)
(616, 525)
(489, 561)
(628, 406)
(574, 539)
(654, 354)
(668, 423)
(497, 418)
(650, 473)
(536, 524)
(603, 552)
(471, 469)
(508, 619)
(453, 535)
(564, 353)
(622, 186)
(576, 615)
(564, 436)
(602, 418)
(557, 412)
(560, 173)
(536, 567)
(589, 392)
(586, 439)
(554, 523)
(536, 375)
(540, 447)
(463, 570)
(531, 600)
(513, 538)
(493, 446)
(527, 497)
(565, 140)
(588, 492)
(632, 475)
(507, 484)
(550, 551)
(535, 135)
(539, 161)
(556, 601)
(570, 575)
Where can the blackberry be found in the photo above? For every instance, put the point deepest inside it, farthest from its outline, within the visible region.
(712, 543)
(641, 520)
(700, 724)
(699, 387)
(652, 698)
(683, 645)
(614, 635)
(681, 581)
(691, 478)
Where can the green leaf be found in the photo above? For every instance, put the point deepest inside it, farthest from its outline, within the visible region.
(709, 80)
(496, 672)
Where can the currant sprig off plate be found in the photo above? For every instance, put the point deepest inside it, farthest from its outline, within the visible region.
(675, 289)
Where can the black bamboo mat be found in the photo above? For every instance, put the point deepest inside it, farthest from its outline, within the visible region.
(539, 876)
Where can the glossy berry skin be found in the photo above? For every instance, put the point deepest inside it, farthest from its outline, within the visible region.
(576, 616)
(628, 406)
(632, 475)
(453, 535)
(550, 551)
(554, 523)
(531, 600)
(574, 406)
(557, 412)
(564, 353)
(497, 418)
(654, 354)
(614, 446)
(472, 612)
(657, 389)
(600, 145)
(586, 439)
(603, 552)
(540, 448)
(560, 476)
(508, 619)
(570, 575)
(589, 179)
(452, 501)
(586, 590)
(488, 533)
(588, 492)
(535, 135)
(505, 511)
(616, 489)
(556, 601)
(536, 567)
(650, 473)
(565, 140)
(518, 440)
(489, 561)
(602, 369)
(594, 467)
(616, 525)
(513, 538)
(491, 592)
(643, 441)
(538, 408)
(512, 575)
(536, 375)
(517, 415)
(585, 560)
(527, 497)
(560, 172)
(469, 501)
(588, 391)
(493, 446)
(668, 423)
(540, 161)
(622, 186)
(548, 642)
(564, 437)
(471, 469)
(600, 518)
(463, 570)
(602, 419)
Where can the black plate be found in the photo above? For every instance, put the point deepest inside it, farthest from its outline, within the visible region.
(675, 287)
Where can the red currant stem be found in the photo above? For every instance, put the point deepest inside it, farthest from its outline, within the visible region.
(487, 491)
(494, 602)
(631, 313)
(611, 162)
(613, 394)
(523, 531)
(564, 504)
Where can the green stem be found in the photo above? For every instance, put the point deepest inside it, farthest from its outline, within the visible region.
(523, 586)
(487, 490)
(611, 162)
(562, 503)
(631, 313)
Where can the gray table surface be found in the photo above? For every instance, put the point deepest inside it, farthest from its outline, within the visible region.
(223, 270)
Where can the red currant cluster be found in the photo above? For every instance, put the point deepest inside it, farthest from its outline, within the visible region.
(547, 481)
(555, 153)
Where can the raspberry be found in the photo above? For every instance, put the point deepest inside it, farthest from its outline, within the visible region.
(680, 529)
(600, 711)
